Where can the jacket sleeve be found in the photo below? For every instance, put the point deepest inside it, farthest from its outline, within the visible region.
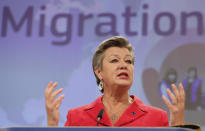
(165, 119)
(68, 121)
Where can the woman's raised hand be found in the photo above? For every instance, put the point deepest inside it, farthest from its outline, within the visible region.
(176, 107)
(53, 103)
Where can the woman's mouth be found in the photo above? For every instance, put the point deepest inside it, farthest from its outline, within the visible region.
(123, 75)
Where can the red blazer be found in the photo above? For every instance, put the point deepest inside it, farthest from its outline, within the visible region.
(136, 115)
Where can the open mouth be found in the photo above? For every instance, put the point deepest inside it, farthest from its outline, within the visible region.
(123, 75)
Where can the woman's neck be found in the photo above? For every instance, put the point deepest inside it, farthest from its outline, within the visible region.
(119, 96)
(115, 103)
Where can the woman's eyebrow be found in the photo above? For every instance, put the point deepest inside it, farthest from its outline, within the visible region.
(114, 55)
(128, 55)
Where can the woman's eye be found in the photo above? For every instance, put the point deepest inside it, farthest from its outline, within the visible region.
(114, 61)
(129, 61)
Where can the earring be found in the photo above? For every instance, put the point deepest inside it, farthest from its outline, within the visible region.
(100, 86)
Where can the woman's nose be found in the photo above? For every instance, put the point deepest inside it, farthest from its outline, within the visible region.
(123, 65)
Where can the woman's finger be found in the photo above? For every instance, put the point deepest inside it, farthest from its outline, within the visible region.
(50, 90)
(172, 96)
(57, 92)
(176, 92)
(182, 93)
(47, 88)
(53, 95)
(166, 101)
(58, 100)
(58, 105)
(49, 84)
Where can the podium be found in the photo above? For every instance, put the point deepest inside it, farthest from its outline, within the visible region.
(93, 129)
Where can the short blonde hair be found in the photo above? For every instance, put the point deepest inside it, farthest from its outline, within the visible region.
(115, 41)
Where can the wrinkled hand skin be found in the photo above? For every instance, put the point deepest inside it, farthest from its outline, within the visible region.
(177, 105)
(53, 103)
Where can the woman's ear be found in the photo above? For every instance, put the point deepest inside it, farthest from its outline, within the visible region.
(98, 73)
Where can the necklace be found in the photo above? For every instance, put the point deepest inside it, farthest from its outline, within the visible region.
(114, 115)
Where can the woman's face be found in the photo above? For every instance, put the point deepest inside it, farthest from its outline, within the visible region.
(117, 67)
(191, 74)
(172, 78)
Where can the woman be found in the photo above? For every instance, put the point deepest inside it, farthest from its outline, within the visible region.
(193, 88)
(170, 78)
(113, 66)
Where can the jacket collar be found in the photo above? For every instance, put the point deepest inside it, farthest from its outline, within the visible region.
(133, 112)
(93, 110)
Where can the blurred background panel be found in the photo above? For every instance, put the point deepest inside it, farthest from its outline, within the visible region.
(54, 40)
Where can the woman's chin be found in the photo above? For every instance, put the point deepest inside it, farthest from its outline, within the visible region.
(124, 84)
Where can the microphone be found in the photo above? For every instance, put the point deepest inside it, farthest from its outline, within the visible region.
(100, 115)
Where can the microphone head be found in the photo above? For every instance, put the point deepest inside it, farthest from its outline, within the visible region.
(100, 114)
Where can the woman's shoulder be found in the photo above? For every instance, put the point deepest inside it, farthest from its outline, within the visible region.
(95, 103)
(79, 108)
(156, 115)
(84, 115)
(146, 107)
